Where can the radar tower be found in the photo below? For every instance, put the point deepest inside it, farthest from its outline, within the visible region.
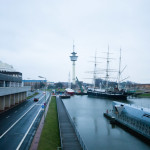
(73, 58)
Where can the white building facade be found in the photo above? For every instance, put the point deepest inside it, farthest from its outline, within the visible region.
(12, 91)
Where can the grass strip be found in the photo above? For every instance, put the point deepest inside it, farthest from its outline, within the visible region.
(50, 139)
(32, 95)
(144, 95)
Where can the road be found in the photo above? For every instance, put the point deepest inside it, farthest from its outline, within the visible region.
(18, 125)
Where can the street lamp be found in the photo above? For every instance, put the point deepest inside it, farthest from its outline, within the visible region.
(31, 84)
(45, 95)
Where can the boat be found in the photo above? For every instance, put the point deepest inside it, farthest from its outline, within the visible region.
(132, 118)
(115, 93)
(64, 96)
(70, 91)
(140, 113)
(120, 95)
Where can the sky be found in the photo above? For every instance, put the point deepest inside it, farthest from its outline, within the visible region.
(36, 37)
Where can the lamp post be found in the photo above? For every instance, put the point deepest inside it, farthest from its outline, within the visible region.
(45, 95)
(30, 83)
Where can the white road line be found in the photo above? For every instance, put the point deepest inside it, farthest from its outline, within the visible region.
(17, 121)
(27, 131)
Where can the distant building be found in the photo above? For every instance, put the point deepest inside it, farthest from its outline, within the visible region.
(142, 86)
(35, 84)
(12, 91)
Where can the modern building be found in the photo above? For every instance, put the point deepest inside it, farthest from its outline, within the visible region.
(12, 91)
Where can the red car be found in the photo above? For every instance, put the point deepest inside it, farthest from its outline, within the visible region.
(36, 99)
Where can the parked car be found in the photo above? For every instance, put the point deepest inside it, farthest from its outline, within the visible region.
(36, 99)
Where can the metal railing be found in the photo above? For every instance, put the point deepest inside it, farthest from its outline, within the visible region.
(59, 128)
(136, 124)
(76, 131)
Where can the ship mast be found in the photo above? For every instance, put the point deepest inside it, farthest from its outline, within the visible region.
(107, 68)
(119, 73)
(94, 73)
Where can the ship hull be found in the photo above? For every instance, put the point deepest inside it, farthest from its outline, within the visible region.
(108, 95)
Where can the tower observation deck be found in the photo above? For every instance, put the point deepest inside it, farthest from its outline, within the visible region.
(73, 58)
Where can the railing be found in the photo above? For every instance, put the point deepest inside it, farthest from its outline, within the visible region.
(59, 130)
(76, 131)
(136, 124)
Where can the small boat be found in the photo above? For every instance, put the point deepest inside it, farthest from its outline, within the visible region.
(64, 96)
(70, 91)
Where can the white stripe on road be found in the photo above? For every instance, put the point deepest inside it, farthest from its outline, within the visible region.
(17, 120)
(27, 131)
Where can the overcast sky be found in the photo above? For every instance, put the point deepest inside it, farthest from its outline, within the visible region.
(36, 37)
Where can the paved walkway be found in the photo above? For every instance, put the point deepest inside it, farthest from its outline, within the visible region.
(69, 140)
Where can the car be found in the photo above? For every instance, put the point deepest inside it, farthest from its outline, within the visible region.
(36, 99)
(43, 92)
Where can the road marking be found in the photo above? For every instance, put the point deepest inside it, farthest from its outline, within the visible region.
(27, 131)
(7, 116)
(17, 120)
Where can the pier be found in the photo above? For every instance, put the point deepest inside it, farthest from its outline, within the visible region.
(70, 137)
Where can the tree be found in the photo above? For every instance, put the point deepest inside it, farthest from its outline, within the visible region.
(42, 85)
(59, 85)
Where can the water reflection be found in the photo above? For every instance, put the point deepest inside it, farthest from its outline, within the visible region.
(96, 130)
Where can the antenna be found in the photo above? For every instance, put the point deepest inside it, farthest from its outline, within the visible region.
(73, 46)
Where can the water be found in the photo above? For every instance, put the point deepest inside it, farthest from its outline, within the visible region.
(95, 129)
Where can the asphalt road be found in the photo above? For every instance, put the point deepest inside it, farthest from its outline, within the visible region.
(18, 125)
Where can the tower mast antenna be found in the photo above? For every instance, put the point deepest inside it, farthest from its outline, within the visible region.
(73, 58)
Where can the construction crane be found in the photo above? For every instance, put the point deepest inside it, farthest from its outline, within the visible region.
(79, 84)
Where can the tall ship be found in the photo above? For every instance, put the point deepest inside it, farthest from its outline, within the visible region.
(119, 95)
(116, 92)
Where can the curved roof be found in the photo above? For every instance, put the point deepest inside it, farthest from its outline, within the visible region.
(6, 67)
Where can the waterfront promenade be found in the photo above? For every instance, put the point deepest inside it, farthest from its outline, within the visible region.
(69, 140)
